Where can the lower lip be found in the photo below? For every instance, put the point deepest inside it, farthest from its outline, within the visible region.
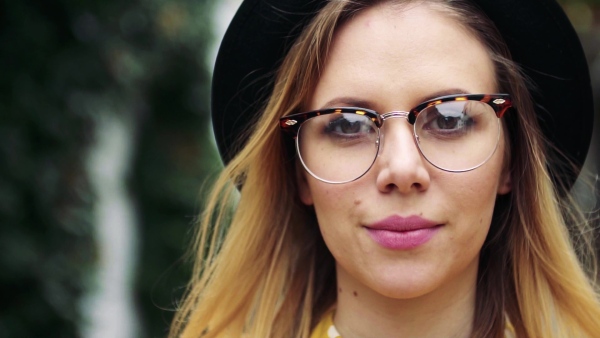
(402, 240)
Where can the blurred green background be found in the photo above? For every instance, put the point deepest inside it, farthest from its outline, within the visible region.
(101, 102)
(105, 144)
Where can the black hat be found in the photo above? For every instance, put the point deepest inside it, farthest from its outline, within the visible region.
(539, 35)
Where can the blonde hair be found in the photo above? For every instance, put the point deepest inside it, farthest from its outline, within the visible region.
(263, 270)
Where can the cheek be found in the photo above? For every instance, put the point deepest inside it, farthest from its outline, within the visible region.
(471, 198)
(331, 201)
(470, 209)
(337, 206)
(479, 188)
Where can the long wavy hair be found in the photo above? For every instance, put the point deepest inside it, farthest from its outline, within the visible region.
(263, 270)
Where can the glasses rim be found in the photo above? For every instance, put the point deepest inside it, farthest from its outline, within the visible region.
(291, 125)
(499, 102)
(305, 166)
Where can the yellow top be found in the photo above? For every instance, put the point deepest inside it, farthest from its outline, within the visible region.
(326, 329)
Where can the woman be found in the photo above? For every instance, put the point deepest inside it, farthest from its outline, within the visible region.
(421, 198)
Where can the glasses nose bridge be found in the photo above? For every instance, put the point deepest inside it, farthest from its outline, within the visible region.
(396, 114)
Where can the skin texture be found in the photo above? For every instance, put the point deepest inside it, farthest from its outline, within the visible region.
(389, 58)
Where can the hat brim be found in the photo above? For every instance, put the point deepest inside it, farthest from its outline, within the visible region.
(539, 35)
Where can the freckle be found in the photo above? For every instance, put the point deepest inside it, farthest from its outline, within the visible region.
(421, 213)
(340, 290)
(355, 294)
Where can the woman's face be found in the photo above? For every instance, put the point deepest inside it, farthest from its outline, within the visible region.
(392, 59)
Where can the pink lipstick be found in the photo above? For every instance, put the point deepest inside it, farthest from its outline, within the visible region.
(402, 233)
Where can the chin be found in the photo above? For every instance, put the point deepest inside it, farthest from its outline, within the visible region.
(403, 287)
(403, 292)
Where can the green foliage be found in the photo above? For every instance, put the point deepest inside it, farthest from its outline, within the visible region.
(589, 2)
(45, 199)
(64, 64)
(581, 13)
(176, 154)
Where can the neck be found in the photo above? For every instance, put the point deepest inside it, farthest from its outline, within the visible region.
(446, 312)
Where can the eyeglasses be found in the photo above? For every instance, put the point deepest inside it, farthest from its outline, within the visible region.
(455, 133)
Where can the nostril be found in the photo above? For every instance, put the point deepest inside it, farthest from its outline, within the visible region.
(390, 187)
(393, 186)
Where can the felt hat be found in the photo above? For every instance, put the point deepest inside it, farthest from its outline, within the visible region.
(539, 35)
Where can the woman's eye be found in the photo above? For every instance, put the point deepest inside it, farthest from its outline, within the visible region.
(348, 126)
(447, 120)
(451, 122)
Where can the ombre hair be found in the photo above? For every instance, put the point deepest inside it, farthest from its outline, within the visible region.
(263, 270)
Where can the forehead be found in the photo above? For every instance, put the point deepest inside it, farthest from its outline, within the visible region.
(412, 50)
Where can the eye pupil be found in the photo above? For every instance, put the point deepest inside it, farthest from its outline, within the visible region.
(447, 122)
(350, 126)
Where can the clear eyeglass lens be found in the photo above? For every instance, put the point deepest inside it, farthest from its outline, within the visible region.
(338, 147)
(453, 136)
(457, 135)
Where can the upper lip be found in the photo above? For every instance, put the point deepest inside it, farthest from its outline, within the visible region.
(398, 223)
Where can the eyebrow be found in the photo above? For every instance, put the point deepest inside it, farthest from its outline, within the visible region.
(445, 92)
(349, 101)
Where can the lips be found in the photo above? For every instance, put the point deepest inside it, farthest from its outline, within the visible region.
(402, 233)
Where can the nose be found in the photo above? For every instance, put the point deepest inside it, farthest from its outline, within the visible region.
(399, 164)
